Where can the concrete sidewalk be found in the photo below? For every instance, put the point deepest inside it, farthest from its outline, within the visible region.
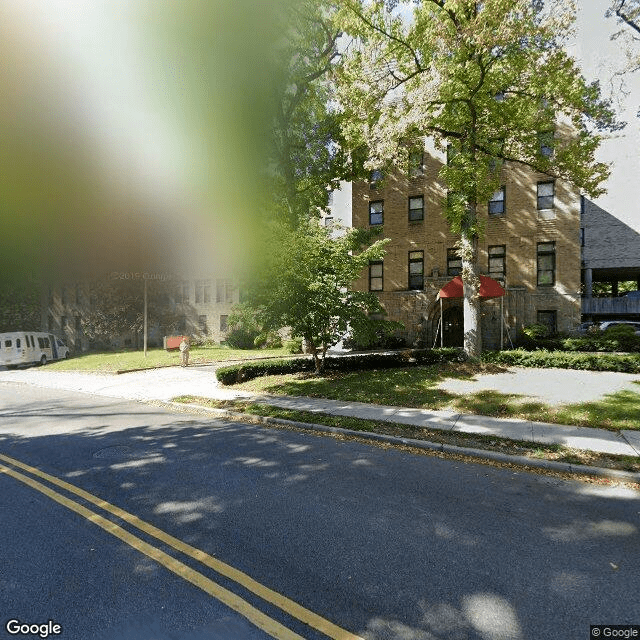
(165, 384)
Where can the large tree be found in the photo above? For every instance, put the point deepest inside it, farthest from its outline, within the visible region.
(489, 82)
(307, 159)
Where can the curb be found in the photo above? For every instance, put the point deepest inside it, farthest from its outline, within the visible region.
(550, 465)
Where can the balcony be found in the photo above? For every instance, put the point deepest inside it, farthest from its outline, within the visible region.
(611, 306)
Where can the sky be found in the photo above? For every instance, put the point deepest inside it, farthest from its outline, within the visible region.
(600, 58)
(106, 62)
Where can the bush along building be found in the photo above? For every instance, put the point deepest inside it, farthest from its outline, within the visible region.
(530, 245)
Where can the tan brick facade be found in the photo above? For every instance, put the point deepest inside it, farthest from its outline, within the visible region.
(520, 230)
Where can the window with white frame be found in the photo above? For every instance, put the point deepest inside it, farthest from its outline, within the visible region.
(376, 212)
(546, 192)
(416, 208)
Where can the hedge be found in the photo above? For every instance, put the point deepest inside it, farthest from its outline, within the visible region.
(409, 357)
(624, 363)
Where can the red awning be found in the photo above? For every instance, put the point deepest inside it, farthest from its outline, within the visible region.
(489, 288)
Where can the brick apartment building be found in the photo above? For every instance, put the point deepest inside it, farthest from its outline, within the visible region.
(531, 244)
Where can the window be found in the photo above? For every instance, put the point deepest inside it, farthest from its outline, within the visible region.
(416, 208)
(497, 202)
(203, 291)
(202, 321)
(545, 142)
(545, 195)
(328, 222)
(183, 293)
(546, 263)
(17, 343)
(454, 263)
(416, 270)
(375, 179)
(375, 276)
(497, 261)
(376, 212)
(224, 323)
(219, 290)
(548, 319)
(416, 166)
(582, 236)
(228, 291)
(8, 344)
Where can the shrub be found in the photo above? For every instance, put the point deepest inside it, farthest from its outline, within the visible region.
(536, 331)
(294, 345)
(240, 338)
(565, 360)
(410, 357)
(268, 340)
(382, 338)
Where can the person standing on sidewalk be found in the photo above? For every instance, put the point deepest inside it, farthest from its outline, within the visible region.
(184, 352)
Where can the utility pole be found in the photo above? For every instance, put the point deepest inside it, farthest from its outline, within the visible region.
(145, 318)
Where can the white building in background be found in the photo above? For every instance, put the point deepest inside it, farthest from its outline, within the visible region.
(339, 206)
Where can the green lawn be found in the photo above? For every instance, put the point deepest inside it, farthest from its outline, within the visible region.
(128, 360)
(417, 387)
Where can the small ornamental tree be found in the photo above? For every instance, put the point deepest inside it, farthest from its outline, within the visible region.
(305, 285)
(489, 82)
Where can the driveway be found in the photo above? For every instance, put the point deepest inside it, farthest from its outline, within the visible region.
(551, 386)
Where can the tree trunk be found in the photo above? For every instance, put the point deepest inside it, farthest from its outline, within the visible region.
(471, 293)
(318, 363)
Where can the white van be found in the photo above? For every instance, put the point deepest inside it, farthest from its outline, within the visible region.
(29, 347)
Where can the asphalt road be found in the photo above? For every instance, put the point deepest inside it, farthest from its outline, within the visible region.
(381, 543)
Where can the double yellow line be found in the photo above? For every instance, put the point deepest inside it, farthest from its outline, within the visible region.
(230, 599)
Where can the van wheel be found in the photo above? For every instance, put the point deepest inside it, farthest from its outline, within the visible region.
(43, 360)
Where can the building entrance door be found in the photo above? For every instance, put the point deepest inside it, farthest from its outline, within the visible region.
(452, 327)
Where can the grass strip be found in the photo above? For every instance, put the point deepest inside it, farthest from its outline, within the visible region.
(556, 453)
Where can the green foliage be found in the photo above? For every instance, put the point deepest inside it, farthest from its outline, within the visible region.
(268, 340)
(243, 328)
(20, 308)
(294, 345)
(412, 357)
(536, 331)
(565, 360)
(616, 338)
(117, 307)
(305, 284)
(381, 337)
